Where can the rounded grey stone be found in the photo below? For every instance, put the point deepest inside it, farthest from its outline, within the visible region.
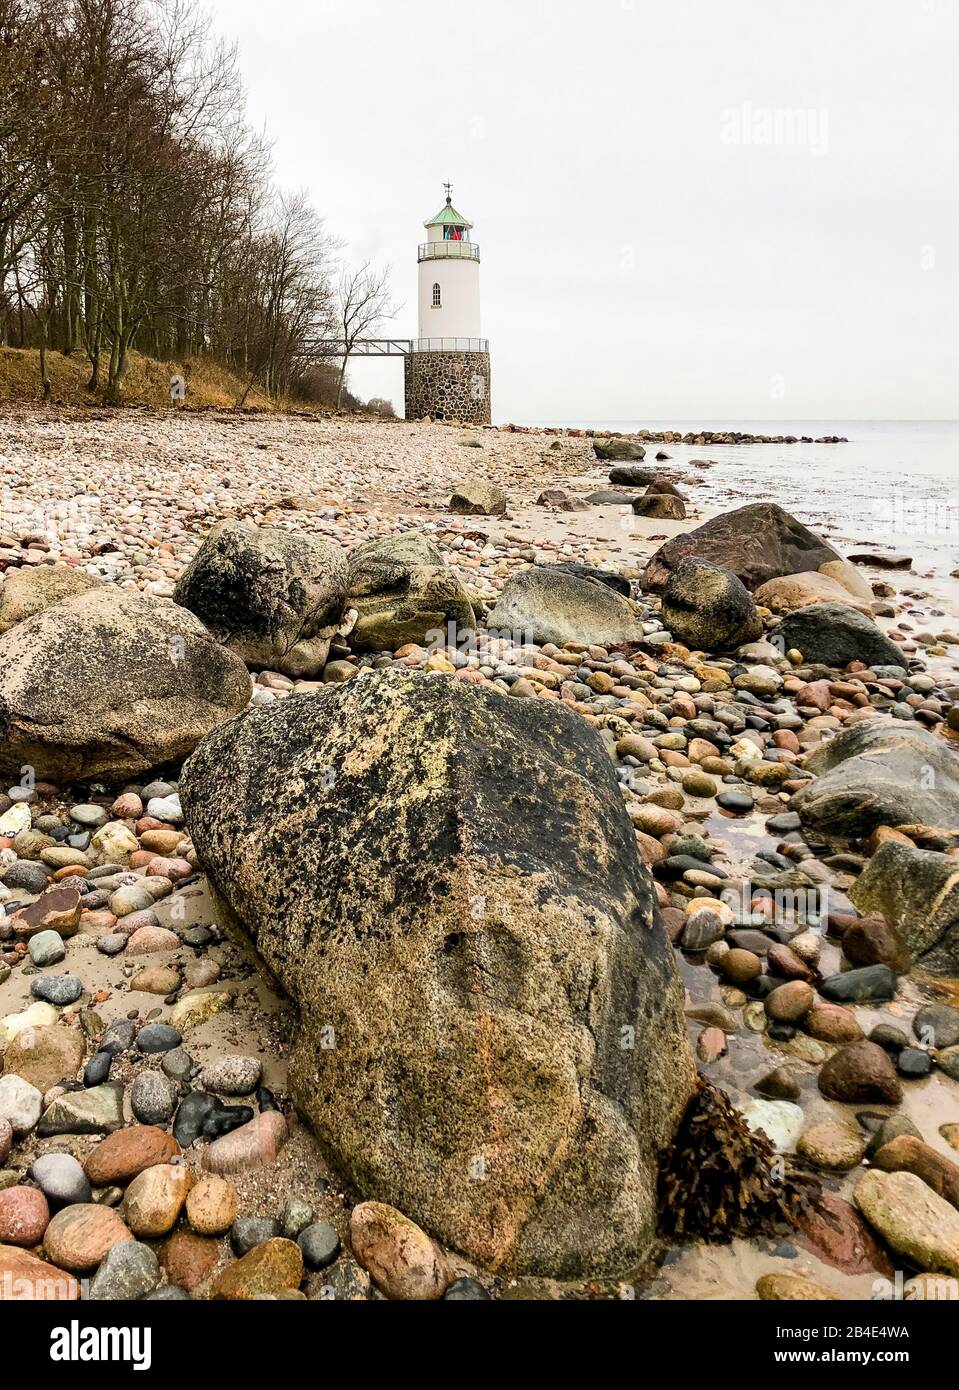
(166, 808)
(130, 1270)
(937, 1025)
(130, 897)
(118, 1037)
(27, 875)
(112, 943)
(232, 1076)
(158, 1037)
(20, 1103)
(57, 989)
(153, 1098)
(156, 789)
(97, 1069)
(320, 1245)
(61, 1179)
(250, 1231)
(178, 1065)
(46, 948)
(297, 1215)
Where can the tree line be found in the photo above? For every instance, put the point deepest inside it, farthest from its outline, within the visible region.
(138, 209)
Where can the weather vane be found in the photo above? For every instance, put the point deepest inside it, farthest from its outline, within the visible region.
(449, 192)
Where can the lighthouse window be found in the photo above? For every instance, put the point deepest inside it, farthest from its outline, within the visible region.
(437, 297)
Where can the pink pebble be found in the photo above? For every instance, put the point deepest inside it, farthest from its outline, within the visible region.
(173, 869)
(24, 1216)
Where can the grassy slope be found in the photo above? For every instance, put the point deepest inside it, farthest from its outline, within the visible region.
(147, 382)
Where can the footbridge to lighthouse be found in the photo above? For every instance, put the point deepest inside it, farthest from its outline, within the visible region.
(395, 347)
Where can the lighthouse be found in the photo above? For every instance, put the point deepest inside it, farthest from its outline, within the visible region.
(447, 372)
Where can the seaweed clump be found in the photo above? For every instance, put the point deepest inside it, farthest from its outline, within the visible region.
(720, 1180)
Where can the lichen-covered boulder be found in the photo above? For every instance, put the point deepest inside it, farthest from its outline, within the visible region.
(757, 542)
(617, 450)
(610, 578)
(917, 892)
(402, 592)
(878, 772)
(660, 483)
(664, 506)
(708, 609)
(31, 590)
(833, 634)
(632, 475)
(547, 604)
(478, 497)
(109, 684)
(275, 598)
(447, 884)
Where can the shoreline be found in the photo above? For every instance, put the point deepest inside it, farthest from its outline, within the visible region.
(153, 487)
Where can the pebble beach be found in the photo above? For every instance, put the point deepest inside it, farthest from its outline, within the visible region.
(782, 746)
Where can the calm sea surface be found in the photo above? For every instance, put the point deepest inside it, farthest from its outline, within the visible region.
(895, 483)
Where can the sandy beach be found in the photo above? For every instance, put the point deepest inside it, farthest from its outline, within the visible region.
(149, 482)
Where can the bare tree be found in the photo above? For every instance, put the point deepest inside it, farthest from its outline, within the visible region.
(292, 304)
(363, 304)
(136, 205)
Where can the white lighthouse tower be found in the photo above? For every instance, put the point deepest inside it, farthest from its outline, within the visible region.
(448, 372)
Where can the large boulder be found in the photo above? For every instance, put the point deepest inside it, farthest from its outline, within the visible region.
(403, 591)
(849, 577)
(274, 597)
(917, 892)
(544, 604)
(632, 475)
(617, 450)
(447, 884)
(708, 609)
(109, 684)
(611, 497)
(661, 505)
(28, 591)
(833, 634)
(478, 497)
(757, 542)
(878, 772)
(610, 578)
(792, 591)
(660, 483)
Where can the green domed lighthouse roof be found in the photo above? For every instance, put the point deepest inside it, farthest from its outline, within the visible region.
(448, 217)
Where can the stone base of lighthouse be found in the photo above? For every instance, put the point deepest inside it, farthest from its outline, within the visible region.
(448, 386)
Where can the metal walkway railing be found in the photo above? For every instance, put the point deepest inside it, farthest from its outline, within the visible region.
(397, 347)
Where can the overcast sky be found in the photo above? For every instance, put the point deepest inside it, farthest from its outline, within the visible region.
(687, 209)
